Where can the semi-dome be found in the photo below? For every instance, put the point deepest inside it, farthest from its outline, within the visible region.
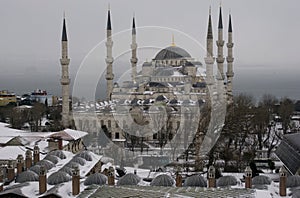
(172, 52)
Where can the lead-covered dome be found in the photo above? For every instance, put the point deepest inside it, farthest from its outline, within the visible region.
(172, 52)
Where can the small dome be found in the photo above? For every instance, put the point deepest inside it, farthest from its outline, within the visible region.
(162, 180)
(58, 177)
(173, 101)
(96, 178)
(72, 164)
(293, 181)
(67, 169)
(78, 160)
(195, 180)
(58, 153)
(85, 155)
(27, 176)
(129, 179)
(172, 52)
(261, 180)
(35, 168)
(52, 158)
(227, 181)
(46, 163)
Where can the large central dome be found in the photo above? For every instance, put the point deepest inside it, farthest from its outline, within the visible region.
(172, 52)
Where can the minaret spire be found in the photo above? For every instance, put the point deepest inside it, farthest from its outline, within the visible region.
(109, 59)
(65, 80)
(209, 60)
(133, 51)
(220, 43)
(229, 59)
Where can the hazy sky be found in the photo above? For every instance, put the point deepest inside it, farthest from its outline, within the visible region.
(266, 35)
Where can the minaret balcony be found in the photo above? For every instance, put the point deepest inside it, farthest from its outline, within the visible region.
(134, 60)
(220, 60)
(229, 59)
(109, 76)
(65, 81)
(229, 45)
(220, 43)
(64, 61)
(109, 60)
(209, 60)
(229, 74)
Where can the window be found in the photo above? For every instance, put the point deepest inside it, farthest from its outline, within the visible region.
(117, 135)
(109, 124)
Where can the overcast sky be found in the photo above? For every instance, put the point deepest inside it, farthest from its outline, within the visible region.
(266, 33)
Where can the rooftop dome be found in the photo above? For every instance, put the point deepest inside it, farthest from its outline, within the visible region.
(58, 153)
(162, 180)
(172, 52)
(58, 177)
(85, 155)
(227, 181)
(67, 169)
(46, 163)
(195, 180)
(35, 168)
(261, 180)
(78, 160)
(52, 158)
(96, 178)
(27, 176)
(129, 179)
(72, 164)
(293, 181)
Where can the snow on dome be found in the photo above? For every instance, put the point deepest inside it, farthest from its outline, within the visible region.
(79, 160)
(293, 181)
(67, 170)
(27, 176)
(261, 180)
(85, 155)
(96, 178)
(58, 177)
(162, 180)
(35, 168)
(46, 163)
(72, 164)
(227, 181)
(129, 179)
(52, 158)
(58, 153)
(195, 180)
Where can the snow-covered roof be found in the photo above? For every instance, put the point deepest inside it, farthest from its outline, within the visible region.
(11, 152)
(69, 134)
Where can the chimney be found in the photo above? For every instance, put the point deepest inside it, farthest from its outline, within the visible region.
(43, 180)
(1, 179)
(28, 159)
(76, 181)
(282, 181)
(20, 164)
(248, 178)
(10, 171)
(36, 154)
(178, 178)
(211, 177)
(111, 176)
(60, 144)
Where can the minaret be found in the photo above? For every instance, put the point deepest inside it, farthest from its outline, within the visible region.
(209, 59)
(229, 59)
(65, 80)
(220, 43)
(133, 52)
(109, 59)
